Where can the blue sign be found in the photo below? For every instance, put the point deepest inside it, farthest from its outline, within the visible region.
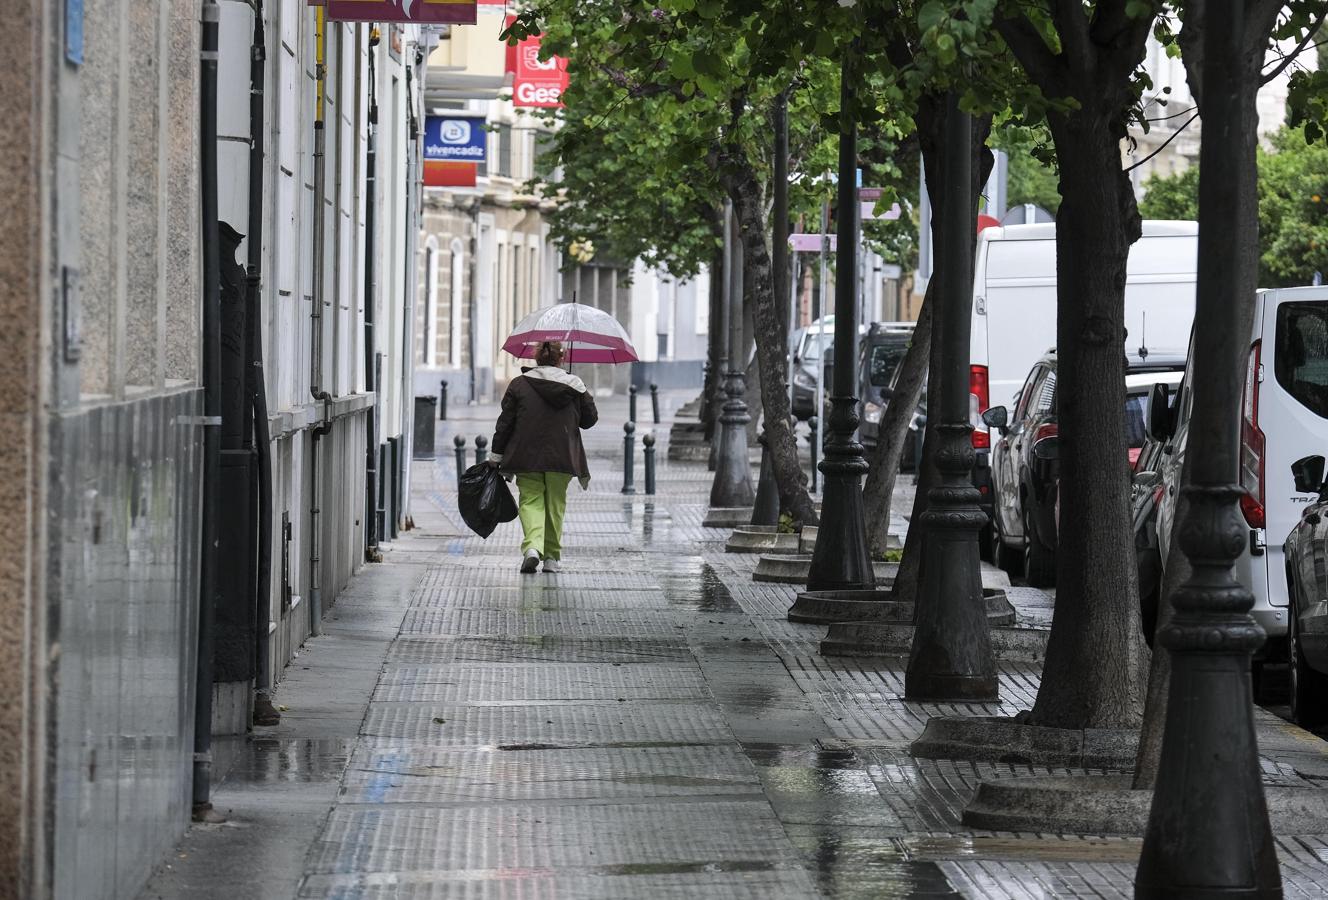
(74, 31)
(455, 138)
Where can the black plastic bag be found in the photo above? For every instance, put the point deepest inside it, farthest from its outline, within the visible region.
(484, 499)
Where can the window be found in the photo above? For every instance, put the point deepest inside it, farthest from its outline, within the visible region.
(884, 359)
(1025, 393)
(1135, 434)
(1300, 359)
(1045, 393)
(503, 139)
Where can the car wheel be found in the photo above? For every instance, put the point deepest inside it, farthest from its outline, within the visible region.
(1308, 687)
(1011, 559)
(1039, 562)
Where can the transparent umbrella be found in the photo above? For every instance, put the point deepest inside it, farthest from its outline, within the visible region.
(588, 335)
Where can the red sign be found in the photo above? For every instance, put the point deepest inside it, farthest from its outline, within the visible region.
(438, 173)
(446, 12)
(535, 81)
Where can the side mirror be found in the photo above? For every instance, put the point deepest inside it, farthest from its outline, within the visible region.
(1308, 473)
(996, 417)
(1158, 424)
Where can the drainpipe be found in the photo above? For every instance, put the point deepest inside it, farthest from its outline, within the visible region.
(316, 326)
(371, 473)
(410, 273)
(475, 205)
(211, 314)
(264, 712)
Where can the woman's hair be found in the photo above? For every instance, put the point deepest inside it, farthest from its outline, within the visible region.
(550, 353)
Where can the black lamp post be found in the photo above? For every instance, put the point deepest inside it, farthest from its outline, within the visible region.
(951, 657)
(841, 560)
(766, 509)
(732, 486)
(1208, 832)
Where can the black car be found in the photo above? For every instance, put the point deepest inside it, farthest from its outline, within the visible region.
(1025, 461)
(883, 350)
(1306, 550)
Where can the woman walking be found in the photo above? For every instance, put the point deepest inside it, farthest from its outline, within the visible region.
(538, 439)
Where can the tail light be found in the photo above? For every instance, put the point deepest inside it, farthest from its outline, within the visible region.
(979, 395)
(1045, 431)
(1252, 446)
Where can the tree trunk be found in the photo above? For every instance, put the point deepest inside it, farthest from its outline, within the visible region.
(878, 493)
(1245, 223)
(753, 371)
(1092, 676)
(771, 343)
(713, 402)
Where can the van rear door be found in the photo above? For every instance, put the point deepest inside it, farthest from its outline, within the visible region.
(1292, 409)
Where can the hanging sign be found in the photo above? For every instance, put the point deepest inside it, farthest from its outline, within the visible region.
(535, 82)
(446, 12)
(455, 138)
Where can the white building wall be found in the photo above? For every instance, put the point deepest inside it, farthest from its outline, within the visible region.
(290, 283)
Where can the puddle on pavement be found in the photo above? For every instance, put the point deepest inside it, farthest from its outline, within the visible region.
(265, 760)
(855, 864)
(688, 583)
(965, 847)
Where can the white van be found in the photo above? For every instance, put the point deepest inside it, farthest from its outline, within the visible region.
(1014, 311)
(1284, 416)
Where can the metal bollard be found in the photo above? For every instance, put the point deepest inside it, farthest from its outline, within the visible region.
(460, 444)
(654, 401)
(481, 449)
(649, 442)
(816, 452)
(629, 443)
(631, 402)
(442, 402)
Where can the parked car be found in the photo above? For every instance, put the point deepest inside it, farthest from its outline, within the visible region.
(1306, 550)
(1026, 459)
(1014, 312)
(883, 350)
(814, 349)
(1283, 419)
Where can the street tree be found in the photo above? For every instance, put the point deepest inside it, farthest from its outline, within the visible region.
(1262, 27)
(1085, 61)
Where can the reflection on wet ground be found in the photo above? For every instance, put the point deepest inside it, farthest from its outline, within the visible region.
(645, 724)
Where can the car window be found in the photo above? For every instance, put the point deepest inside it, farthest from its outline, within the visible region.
(1025, 393)
(1044, 394)
(1135, 435)
(1300, 360)
(884, 358)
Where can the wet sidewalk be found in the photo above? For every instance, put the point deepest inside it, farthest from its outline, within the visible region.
(645, 724)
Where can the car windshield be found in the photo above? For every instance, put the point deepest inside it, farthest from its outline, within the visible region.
(884, 358)
(1300, 359)
(814, 342)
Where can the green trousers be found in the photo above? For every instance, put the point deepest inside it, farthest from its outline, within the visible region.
(542, 506)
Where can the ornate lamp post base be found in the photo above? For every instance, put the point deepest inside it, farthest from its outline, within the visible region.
(951, 657)
(840, 560)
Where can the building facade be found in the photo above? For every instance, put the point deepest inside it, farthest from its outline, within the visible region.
(106, 383)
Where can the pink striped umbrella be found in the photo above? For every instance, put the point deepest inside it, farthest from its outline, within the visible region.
(588, 335)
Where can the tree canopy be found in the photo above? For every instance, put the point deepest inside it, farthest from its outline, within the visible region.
(1293, 206)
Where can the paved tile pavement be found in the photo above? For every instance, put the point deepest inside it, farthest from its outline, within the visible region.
(646, 724)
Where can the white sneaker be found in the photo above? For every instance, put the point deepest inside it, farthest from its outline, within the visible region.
(530, 562)
(551, 565)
